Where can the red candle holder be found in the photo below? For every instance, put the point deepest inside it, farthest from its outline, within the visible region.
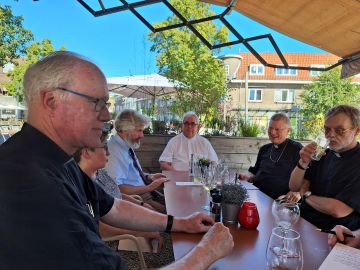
(249, 216)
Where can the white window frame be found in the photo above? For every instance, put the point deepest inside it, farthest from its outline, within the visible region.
(314, 73)
(287, 70)
(255, 89)
(257, 69)
(282, 90)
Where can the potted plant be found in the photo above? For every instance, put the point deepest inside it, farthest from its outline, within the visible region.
(233, 196)
(204, 162)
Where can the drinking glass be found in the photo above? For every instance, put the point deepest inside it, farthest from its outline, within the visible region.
(286, 213)
(289, 256)
(321, 144)
(210, 182)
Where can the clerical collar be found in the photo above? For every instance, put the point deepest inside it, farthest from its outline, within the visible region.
(277, 146)
(348, 152)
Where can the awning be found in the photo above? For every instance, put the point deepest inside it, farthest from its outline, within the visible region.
(332, 25)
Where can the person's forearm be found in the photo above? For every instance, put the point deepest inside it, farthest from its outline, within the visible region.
(130, 216)
(132, 190)
(166, 166)
(297, 177)
(109, 231)
(130, 198)
(329, 206)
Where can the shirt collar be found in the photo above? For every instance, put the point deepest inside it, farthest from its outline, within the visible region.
(45, 145)
(186, 138)
(281, 145)
(348, 152)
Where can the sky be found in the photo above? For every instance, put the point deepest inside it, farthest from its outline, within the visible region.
(118, 43)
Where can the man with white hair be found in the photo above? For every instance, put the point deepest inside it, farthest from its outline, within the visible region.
(177, 153)
(123, 165)
(49, 208)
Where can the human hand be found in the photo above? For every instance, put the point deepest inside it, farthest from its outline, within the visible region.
(157, 183)
(195, 223)
(293, 196)
(148, 206)
(306, 153)
(218, 242)
(243, 176)
(339, 237)
(154, 236)
(155, 176)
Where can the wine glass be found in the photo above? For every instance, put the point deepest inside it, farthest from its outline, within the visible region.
(286, 213)
(321, 144)
(276, 258)
(210, 182)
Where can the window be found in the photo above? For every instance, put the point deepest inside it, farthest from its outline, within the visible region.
(255, 95)
(315, 72)
(286, 71)
(256, 69)
(284, 95)
(8, 67)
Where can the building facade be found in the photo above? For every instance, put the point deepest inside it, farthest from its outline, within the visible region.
(257, 92)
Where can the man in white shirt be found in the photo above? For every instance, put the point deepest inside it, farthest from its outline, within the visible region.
(177, 153)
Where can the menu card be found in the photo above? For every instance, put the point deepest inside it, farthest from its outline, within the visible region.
(342, 257)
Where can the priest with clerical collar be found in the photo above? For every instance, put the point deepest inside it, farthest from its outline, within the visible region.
(275, 161)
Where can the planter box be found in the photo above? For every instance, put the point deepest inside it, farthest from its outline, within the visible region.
(237, 152)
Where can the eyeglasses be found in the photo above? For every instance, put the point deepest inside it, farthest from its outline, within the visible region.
(105, 147)
(192, 124)
(99, 102)
(338, 131)
(276, 129)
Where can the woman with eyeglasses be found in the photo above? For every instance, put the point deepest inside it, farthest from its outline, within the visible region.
(92, 161)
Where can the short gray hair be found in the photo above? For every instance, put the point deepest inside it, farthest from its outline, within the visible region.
(187, 114)
(54, 70)
(352, 112)
(129, 119)
(281, 116)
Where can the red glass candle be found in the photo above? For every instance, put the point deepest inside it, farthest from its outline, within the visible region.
(249, 215)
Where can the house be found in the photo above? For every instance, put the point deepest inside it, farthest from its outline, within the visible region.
(257, 92)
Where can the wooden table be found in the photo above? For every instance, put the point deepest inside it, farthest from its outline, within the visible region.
(250, 245)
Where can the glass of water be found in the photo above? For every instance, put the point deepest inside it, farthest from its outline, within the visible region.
(321, 144)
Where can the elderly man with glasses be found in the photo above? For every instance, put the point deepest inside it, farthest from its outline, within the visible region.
(334, 194)
(49, 208)
(177, 153)
(275, 161)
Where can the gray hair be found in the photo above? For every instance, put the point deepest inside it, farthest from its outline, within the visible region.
(187, 114)
(281, 116)
(352, 112)
(129, 119)
(54, 70)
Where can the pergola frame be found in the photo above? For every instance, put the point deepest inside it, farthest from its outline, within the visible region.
(190, 24)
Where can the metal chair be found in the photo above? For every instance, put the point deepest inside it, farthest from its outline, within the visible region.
(136, 242)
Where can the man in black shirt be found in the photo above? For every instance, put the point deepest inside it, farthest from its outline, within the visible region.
(49, 209)
(334, 193)
(275, 161)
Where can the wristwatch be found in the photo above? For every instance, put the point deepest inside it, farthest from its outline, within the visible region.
(307, 194)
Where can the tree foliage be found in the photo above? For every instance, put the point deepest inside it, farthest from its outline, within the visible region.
(185, 60)
(13, 37)
(34, 52)
(325, 92)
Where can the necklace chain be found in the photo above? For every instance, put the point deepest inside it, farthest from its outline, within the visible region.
(282, 152)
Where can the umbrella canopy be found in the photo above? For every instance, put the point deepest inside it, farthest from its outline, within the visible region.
(142, 86)
(331, 25)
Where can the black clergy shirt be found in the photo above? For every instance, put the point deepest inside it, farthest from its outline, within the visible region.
(335, 176)
(274, 165)
(49, 209)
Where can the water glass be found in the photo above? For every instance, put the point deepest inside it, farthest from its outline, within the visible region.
(284, 251)
(321, 144)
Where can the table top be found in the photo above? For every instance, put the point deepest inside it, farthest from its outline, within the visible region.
(250, 245)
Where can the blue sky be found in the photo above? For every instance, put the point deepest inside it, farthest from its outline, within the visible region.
(118, 42)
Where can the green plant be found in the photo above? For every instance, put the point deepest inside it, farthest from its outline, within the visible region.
(204, 162)
(248, 129)
(234, 193)
(159, 127)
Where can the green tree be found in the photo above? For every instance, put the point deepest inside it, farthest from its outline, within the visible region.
(13, 37)
(34, 52)
(185, 60)
(325, 92)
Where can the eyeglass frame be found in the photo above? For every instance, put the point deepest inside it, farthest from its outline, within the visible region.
(338, 131)
(276, 129)
(192, 124)
(96, 100)
(104, 146)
